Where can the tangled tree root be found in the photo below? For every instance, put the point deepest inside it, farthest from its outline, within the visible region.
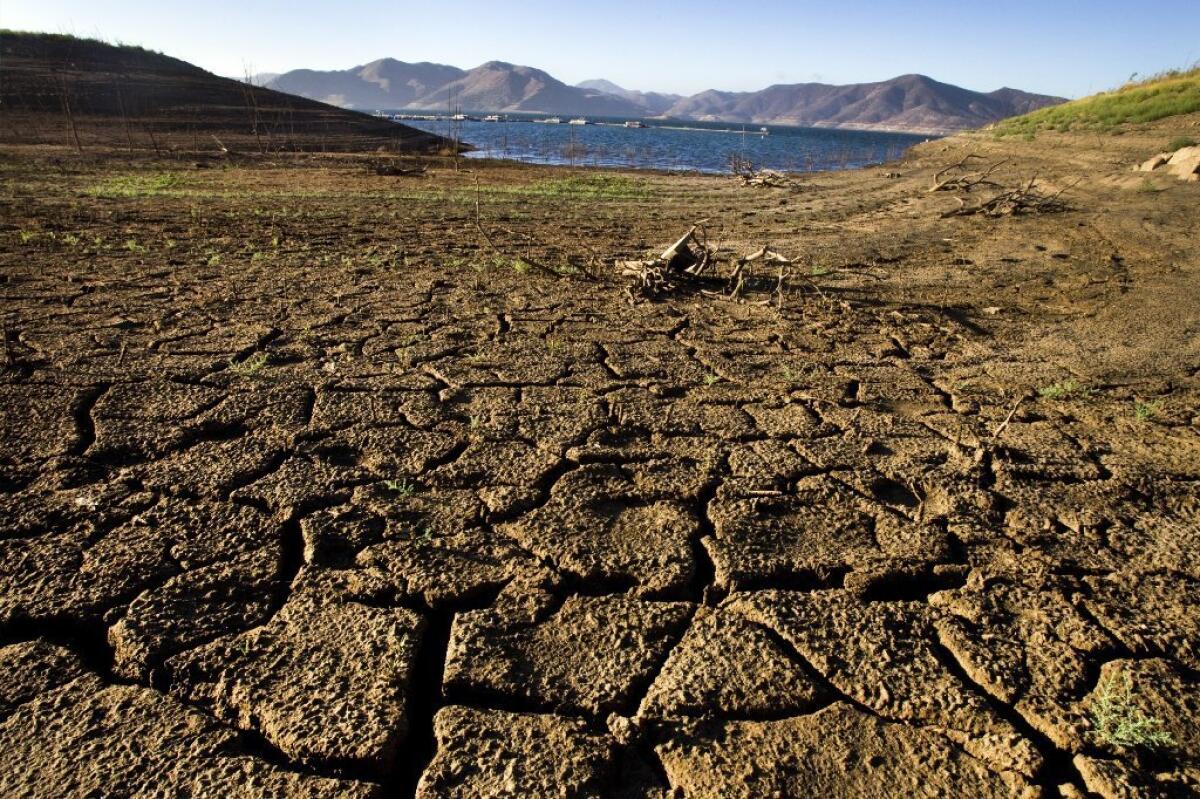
(1020, 201)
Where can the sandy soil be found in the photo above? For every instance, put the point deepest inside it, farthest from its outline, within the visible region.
(306, 489)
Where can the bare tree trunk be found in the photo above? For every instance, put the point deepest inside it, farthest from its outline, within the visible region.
(70, 116)
(124, 115)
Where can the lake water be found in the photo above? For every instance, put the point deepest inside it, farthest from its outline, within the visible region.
(673, 145)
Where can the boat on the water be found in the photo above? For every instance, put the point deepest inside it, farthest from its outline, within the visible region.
(633, 123)
(492, 118)
(552, 121)
(579, 121)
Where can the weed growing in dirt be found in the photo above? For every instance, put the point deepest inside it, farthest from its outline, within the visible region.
(156, 185)
(1117, 720)
(1147, 186)
(401, 488)
(251, 366)
(1179, 143)
(1067, 389)
(1145, 411)
(711, 379)
(789, 374)
(592, 187)
(214, 259)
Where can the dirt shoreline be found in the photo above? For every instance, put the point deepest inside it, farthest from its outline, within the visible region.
(308, 488)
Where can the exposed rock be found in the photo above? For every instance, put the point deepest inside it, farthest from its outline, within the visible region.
(1151, 164)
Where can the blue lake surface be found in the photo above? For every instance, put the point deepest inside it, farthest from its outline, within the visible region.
(672, 145)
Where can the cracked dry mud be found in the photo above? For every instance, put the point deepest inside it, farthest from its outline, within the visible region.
(302, 493)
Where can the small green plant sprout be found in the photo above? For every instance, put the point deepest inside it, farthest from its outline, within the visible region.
(711, 379)
(133, 246)
(1067, 389)
(401, 488)
(1145, 411)
(28, 236)
(425, 533)
(1180, 142)
(214, 259)
(555, 345)
(251, 366)
(1118, 721)
(820, 271)
(789, 374)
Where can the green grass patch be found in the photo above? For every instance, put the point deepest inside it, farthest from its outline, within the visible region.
(1166, 95)
(155, 185)
(1067, 389)
(1179, 143)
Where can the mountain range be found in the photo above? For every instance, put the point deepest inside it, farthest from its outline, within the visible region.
(912, 103)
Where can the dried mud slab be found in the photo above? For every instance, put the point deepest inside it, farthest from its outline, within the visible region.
(819, 529)
(591, 655)
(728, 667)
(451, 569)
(326, 680)
(88, 739)
(1023, 640)
(37, 422)
(497, 753)
(1150, 614)
(885, 655)
(597, 527)
(838, 751)
(194, 608)
(31, 668)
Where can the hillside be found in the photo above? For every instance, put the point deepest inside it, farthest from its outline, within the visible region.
(1159, 97)
(912, 103)
(58, 89)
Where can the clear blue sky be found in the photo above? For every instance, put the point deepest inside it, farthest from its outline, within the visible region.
(1065, 47)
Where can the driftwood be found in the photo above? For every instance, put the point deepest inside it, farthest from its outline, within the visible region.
(767, 179)
(966, 181)
(392, 169)
(1025, 199)
(686, 259)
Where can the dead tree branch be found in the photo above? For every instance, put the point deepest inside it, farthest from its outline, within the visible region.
(1023, 200)
(964, 182)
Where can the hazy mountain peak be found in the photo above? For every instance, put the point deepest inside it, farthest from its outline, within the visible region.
(912, 102)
